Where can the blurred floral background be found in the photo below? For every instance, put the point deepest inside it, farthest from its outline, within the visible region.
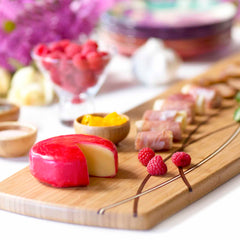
(25, 23)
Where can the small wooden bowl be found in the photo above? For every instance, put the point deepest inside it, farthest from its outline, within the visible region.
(8, 111)
(16, 139)
(113, 133)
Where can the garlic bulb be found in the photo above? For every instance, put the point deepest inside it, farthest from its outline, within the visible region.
(5, 79)
(154, 65)
(29, 87)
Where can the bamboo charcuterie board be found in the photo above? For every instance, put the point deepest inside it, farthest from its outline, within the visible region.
(134, 199)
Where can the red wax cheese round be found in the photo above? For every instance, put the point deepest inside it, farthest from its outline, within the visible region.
(68, 160)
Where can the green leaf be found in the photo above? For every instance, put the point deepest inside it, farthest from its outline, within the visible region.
(9, 26)
(236, 115)
(237, 97)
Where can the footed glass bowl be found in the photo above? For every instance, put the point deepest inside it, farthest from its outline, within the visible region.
(76, 79)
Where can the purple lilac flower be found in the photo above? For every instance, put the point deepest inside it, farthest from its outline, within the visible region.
(25, 23)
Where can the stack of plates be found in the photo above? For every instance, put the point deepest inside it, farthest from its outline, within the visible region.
(190, 29)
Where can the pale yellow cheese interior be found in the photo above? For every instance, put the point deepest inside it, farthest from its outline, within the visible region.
(100, 160)
(181, 117)
(200, 105)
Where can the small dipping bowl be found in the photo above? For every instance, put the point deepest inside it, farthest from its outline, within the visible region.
(8, 111)
(16, 138)
(113, 133)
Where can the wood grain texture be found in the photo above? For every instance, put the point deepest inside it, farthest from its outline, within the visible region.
(113, 202)
(11, 114)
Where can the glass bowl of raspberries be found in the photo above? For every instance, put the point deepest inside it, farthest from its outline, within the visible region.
(77, 72)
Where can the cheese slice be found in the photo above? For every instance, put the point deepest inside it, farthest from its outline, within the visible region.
(99, 160)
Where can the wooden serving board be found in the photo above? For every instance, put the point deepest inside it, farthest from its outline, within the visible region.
(134, 199)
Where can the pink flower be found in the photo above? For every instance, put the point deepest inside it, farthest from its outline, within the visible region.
(25, 23)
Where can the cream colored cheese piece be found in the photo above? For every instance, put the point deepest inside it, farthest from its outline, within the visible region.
(200, 105)
(100, 161)
(139, 125)
(185, 89)
(158, 104)
(181, 117)
(171, 139)
(200, 101)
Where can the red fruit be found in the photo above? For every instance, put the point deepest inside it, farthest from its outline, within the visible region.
(55, 55)
(89, 79)
(68, 74)
(72, 49)
(64, 43)
(55, 76)
(55, 47)
(91, 43)
(145, 155)
(157, 166)
(86, 50)
(181, 159)
(77, 100)
(103, 54)
(51, 60)
(41, 50)
(95, 61)
(88, 47)
(80, 62)
(82, 80)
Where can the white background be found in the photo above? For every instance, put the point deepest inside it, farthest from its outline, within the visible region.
(215, 216)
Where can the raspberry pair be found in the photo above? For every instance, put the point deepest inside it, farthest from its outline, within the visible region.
(155, 164)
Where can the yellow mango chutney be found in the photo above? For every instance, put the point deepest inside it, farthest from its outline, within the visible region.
(112, 119)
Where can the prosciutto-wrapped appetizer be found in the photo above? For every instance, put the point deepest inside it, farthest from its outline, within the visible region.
(166, 104)
(182, 97)
(177, 116)
(159, 126)
(198, 103)
(211, 96)
(156, 140)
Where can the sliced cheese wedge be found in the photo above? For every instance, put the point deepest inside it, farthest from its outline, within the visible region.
(68, 160)
(99, 160)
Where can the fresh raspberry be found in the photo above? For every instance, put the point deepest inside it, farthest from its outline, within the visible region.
(86, 50)
(72, 49)
(91, 43)
(76, 100)
(80, 62)
(157, 166)
(41, 50)
(145, 155)
(64, 43)
(181, 159)
(55, 76)
(103, 54)
(55, 55)
(95, 61)
(89, 46)
(55, 47)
